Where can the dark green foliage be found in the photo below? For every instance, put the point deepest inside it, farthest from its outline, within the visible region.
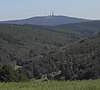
(39, 50)
(21, 75)
(49, 76)
(84, 60)
(8, 74)
(37, 72)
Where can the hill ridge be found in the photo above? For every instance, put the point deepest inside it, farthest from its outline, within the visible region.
(47, 20)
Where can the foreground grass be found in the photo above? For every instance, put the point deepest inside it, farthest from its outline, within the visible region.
(52, 85)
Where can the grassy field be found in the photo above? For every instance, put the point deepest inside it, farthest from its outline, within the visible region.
(52, 85)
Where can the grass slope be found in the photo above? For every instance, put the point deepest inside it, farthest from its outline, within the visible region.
(52, 85)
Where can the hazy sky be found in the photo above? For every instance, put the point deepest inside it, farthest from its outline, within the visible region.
(17, 9)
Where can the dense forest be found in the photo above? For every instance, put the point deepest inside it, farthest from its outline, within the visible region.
(70, 51)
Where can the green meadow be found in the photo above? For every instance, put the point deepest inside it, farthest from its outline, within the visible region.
(52, 85)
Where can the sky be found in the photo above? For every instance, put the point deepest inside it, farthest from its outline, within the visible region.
(20, 9)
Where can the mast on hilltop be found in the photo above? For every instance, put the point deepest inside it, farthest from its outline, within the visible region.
(52, 14)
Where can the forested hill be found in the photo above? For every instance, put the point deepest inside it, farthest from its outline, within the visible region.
(38, 50)
(78, 61)
(93, 24)
(18, 41)
(83, 29)
(47, 20)
(81, 60)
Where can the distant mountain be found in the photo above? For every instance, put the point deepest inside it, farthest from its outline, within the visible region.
(47, 20)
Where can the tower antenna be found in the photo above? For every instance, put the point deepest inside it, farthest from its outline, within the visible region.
(52, 13)
(45, 13)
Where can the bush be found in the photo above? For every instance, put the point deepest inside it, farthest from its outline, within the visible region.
(8, 74)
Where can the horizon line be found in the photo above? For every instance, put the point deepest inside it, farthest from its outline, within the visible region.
(50, 15)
